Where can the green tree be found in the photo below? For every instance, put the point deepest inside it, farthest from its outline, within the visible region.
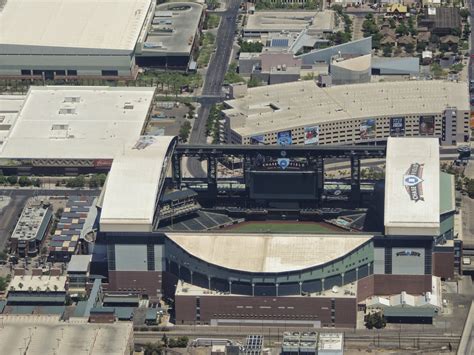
(3, 180)
(434, 39)
(338, 9)
(402, 30)
(94, 181)
(24, 181)
(420, 46)
(465, 13)
(375, 320)
(387, 50)
(180, 342)
(76, 182)
(250, 47)
(4, 281)
(184, 131)
(12, 179)
(444, 47)
(212, 4)
(153, 348)
(409, 47)
(392, 23)
(164, 340)
(254, 82)
(470, 188)
(101, 177)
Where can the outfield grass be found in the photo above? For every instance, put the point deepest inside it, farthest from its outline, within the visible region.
(265, 227)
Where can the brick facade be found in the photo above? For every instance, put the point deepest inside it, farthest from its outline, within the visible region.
(299, 308)
(443, 264)
(143, 282)
(384, 285)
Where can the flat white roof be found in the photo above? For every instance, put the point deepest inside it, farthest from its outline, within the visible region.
(99, 24)
(182, 18)
(132, 185)
(267, 252)
(297, 102)
(79, 263)
(360, 63)
(412, 202)
(10, 105)
(38, 283)
(295, 21)
(58, 122)
(45, 335)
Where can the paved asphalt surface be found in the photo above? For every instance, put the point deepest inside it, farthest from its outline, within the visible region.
(214, 78)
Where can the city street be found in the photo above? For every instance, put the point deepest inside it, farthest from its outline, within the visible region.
(213, 82)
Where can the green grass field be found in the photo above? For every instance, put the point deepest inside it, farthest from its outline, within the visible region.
(266, 227)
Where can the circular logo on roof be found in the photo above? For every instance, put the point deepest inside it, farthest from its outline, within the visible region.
(411, 180)
(283, 153)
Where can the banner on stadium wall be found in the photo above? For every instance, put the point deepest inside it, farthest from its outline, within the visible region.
(427, 125)
(284, 138)
(102, 163)
(311, 135)
(367, 128)
(397, 126)
(257, 140)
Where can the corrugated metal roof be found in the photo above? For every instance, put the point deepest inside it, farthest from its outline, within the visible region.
(409, 312)
(151, 314)
(124, 313)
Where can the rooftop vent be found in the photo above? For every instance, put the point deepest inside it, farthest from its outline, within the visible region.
(72, 99)
(67, 111)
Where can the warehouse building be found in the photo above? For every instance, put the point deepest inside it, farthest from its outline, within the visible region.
(71, 39)
(72, 128)
(349, 114)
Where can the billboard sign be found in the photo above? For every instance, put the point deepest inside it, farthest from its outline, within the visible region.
(367, 128)
(397, 126)
(427, 125)
(284, 138)
(257, 140)
(413, 182)
(311, 135)
(102, 163)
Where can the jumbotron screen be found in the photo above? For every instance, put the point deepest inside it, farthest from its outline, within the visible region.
(287, 185)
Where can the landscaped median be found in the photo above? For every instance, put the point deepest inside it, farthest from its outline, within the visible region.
(207, 48)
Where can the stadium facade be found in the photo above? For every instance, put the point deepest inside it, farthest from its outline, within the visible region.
(71, 39)
(303, 113)
(312, 280)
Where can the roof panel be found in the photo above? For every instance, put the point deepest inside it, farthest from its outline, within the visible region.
(140, 170)
(412, 201)
(102, 24)
(99, 128)
(267, 252)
